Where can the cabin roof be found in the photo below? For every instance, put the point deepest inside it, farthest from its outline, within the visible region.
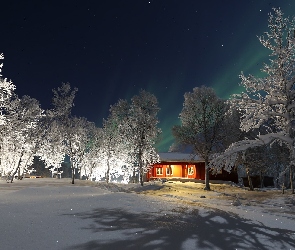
(179, 157)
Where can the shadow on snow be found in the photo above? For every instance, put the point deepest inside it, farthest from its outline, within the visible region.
(180, 229)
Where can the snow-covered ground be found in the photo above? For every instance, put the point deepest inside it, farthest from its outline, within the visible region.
(53, 214)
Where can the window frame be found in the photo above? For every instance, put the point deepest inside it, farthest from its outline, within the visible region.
(190, 170)
(169, 169)
(160, 171)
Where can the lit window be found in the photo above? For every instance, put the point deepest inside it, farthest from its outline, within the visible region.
(169, 171)
(159, 171)
(190, 170)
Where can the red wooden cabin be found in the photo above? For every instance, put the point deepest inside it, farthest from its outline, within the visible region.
(179, 165)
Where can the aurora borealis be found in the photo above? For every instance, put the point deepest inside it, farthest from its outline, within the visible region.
(112, 49)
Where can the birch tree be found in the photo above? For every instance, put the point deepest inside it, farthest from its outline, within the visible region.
(63, 102)
(201, 126)
(52, 148)
(23, 132)
(138, 132)
(113, 145)
(92, 161)
(78, 139)
(271, 97)
(112, 140)
(142, 130)
(6, 93)
(6, 96)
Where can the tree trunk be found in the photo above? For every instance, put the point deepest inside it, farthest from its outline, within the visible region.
(140, 172)
(283, 185)
(25, 166)
(17, 168)
(261, 180)
(133, 176)
(80, 173)
(108, 172)
(13, 174)
(207, 173)
(291, 179)
(140, 167)
(249, 180)
(141, 175)
(73, 173)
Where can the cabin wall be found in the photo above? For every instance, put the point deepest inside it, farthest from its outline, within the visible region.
(200, 171)
(173, 170)
(188, 171)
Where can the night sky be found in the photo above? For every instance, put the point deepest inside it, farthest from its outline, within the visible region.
(111, 49)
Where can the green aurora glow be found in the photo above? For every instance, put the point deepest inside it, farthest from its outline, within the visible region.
(247, 56)
(110, 50)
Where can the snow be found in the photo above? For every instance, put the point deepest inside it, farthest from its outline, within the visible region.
(53, 214)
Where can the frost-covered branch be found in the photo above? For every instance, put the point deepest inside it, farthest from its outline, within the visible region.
(269, 102)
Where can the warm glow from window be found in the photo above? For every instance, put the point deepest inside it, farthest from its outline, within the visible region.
(159, 171)
(169, 170)
(190, 170)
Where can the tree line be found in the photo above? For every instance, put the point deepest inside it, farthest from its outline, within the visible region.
(252, 131)
(123, 146)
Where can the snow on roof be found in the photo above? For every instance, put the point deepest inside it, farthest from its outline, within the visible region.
(176, 156)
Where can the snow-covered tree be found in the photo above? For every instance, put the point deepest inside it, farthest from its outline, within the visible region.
(254, 161)
(22, 135)
(51, 149)
(91, 163)
(75, 132)
(271, 98)
(142, 132)
(129, 136)
(110, 148)
(201, 126)
(63, 102)
(279, 160)
(78, 139)
(112, 140)
(6, 92)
